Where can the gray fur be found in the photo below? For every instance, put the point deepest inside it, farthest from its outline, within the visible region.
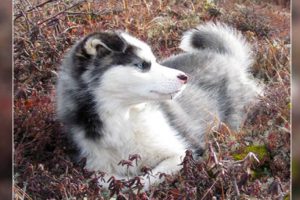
(219, 80)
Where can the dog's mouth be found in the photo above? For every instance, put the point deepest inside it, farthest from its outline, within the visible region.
(165, 93)
(170, 95)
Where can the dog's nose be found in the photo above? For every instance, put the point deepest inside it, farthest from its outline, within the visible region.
(183, 78)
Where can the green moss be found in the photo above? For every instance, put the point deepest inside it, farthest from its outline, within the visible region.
(259, 150)
(208, 4)
(295, 168)
(290, 105)
(261, 171)
(262, 154)
(287, 197)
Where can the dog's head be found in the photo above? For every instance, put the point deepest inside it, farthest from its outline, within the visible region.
(119, 66)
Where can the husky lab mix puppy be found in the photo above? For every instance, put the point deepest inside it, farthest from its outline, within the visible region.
(115, 99)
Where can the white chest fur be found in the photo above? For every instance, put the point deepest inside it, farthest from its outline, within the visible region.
(140, 130)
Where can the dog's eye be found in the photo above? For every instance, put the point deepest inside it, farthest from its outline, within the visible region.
(143, 65)
(139, 65)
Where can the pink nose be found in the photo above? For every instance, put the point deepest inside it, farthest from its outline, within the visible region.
(183, 78)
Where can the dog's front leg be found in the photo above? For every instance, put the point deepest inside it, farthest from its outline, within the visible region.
(170, 165)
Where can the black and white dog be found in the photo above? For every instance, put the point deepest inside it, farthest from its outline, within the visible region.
(115, 99)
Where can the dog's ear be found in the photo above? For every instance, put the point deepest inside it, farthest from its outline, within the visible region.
(103, 43)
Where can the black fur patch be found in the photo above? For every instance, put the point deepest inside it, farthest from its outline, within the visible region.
(227, 106)
(82, 59)
(84, 114)
(126, 58)
(199, 152)
(202, 40)
(87, 117)
(111, 39)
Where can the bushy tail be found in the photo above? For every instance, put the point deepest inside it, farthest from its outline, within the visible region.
(218, 38)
